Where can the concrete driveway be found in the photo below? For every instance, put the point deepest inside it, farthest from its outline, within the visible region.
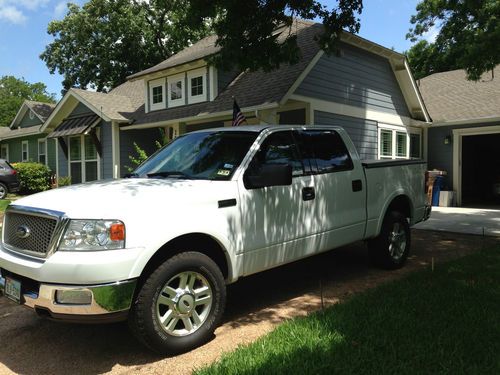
(463, 220)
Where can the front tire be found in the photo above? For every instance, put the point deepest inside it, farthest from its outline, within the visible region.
(3, 191)
(391, 248)
(180, 304)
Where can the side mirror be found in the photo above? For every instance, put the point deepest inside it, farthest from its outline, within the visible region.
(269, 175)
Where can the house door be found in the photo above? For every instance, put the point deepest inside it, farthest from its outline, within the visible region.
(83, 160)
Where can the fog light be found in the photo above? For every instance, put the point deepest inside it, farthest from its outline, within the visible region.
(74, 297)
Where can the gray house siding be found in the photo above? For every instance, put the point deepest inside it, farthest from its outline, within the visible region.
(357, 78)
(51, 153)
(80, 109)
(62, 161)
(107, 150)
(363, 132)
(439, 155)
(145, 139)
(26, 122)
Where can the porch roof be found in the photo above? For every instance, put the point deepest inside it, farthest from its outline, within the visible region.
(75, 126)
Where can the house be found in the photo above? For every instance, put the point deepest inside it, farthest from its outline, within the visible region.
(23, 140)
(366, 88)
(465, 133)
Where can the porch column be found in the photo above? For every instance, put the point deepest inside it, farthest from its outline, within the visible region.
(115, 148)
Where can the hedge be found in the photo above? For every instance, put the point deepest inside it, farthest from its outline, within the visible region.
(33, 177)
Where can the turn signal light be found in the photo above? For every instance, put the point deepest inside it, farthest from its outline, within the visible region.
(117, 232)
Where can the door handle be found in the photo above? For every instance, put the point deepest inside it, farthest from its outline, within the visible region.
(308, 193)
(357, 185)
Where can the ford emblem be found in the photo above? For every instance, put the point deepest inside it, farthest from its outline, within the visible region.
(23, 231)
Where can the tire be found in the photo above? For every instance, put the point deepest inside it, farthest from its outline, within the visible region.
(188, 293)
(3, 191)
(391, 248)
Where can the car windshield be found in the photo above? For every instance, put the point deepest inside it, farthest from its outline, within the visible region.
(205, 155)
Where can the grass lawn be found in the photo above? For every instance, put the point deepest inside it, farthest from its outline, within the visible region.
(446, 322)
(3, 204)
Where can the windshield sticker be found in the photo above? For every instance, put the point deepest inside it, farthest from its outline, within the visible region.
(223, 172)
(228, 166)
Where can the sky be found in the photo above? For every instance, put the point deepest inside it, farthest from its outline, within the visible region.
(23, 33)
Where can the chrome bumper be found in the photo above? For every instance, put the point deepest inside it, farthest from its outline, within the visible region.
(106, 299)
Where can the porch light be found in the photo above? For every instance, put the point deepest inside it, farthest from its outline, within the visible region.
(447, 140)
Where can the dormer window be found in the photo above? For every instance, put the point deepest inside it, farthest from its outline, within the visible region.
(197, 86)
(157, 94)
(176, 90)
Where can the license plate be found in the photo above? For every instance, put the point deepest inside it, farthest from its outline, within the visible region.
(13, 289)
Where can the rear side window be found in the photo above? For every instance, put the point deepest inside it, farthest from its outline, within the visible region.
(325, 151)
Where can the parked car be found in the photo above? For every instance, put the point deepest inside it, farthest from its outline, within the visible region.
(9, 180)
(212, 206)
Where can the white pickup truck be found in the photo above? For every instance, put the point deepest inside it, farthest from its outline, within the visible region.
(158, 248)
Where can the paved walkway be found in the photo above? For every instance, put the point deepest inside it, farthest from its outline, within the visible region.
(463, 220)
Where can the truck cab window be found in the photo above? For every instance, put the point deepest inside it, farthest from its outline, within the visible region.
(278, 148)
(325, 150)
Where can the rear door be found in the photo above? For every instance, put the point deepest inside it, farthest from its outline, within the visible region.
(340, 194)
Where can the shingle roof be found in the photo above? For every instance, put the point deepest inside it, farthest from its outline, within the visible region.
(449, 96)
(43, 110)
(203, 48)
(249, 88)
(6, 133)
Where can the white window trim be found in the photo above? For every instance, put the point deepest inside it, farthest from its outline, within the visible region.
(202, 72)
(394, 130)
(153, 84)
(172, 79)
(83, 159)
(40, 140)
(27, 151)
(6, 148)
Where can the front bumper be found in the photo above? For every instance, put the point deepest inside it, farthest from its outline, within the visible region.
(107, 302)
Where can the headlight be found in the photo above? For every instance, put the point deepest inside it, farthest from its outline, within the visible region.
(91, 235)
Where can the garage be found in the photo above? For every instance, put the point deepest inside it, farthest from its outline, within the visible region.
(480, 170)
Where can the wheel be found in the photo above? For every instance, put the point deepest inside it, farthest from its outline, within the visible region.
(180, 304)
(3, 191)
(391, 248)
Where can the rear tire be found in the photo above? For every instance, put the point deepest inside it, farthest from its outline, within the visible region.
(391, 248)
(3, 191)
(180, 304)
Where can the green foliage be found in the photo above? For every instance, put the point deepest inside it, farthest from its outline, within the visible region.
(99, 44)
(33, 177)
(245, 29)
(64, 181)
(468, 37)
(3, 204)
(441, 321)
(14, 91)
(137, 159)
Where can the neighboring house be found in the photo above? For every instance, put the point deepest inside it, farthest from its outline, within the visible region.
(464, 137)
(23, 140)
(366, 88)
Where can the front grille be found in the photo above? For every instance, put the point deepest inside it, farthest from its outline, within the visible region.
(40, 230)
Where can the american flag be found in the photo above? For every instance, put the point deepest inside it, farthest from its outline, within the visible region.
(238, 117)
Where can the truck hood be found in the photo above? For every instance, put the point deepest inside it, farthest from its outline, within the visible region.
(125, 198)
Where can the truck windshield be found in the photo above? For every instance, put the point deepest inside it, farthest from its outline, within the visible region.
(205, 155)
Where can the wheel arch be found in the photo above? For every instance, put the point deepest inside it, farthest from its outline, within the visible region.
(401, 203)
(200, 242)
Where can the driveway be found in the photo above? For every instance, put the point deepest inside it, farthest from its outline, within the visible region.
(256, 304)
(463, 220)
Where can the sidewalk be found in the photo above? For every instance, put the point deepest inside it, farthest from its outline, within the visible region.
(463, 220)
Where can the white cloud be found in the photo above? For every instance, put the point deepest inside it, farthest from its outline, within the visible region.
(60, 9)
(11, 14)
(432, 34)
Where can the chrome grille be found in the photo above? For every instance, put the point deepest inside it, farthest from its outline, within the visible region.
(41, 230)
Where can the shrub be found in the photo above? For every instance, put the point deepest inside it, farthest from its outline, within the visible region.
(33, 177)
(64, 181)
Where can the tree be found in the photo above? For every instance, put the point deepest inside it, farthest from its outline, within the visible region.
(468, 36)
(99, 44)
(14, 91)
(245, 29)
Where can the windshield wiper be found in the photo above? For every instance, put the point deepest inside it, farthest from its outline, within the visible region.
(173, 174)
(131, 175)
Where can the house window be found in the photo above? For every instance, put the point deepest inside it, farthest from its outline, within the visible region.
(176, 90)
(393, 144)
(83, 160)
(4, 152)
(197, 91)
(42, 151)
(415, 146)
(24, 151)
(156, 94)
